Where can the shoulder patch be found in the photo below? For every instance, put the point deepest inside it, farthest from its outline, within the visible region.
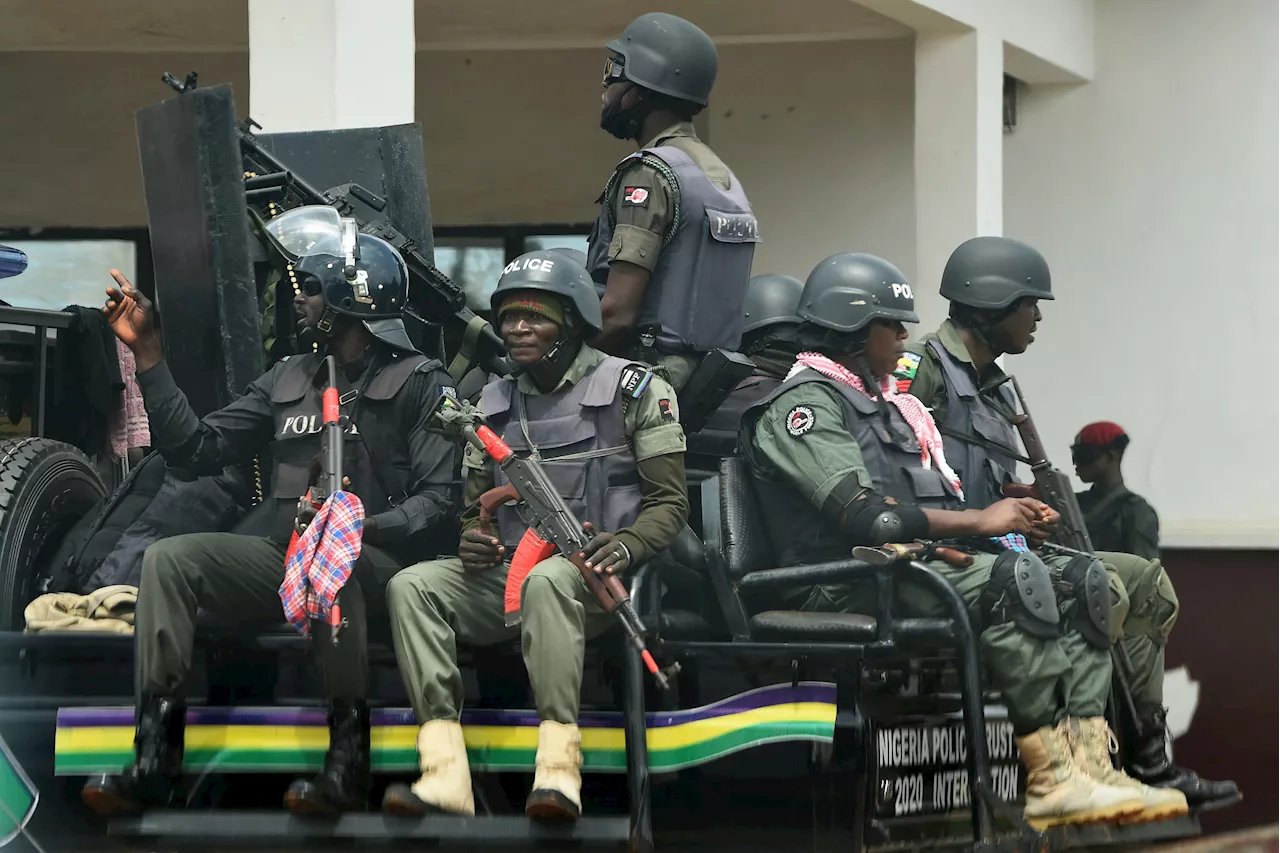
(635, 196)
(634, 381)
(799, 421)
(664, 409)
(905, 372)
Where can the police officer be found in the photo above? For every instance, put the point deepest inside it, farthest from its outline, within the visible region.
(843, 460)
(1117, 518)
(994, 285)
(349, 303)
(673, 243)
(770, 321)
(608, 431)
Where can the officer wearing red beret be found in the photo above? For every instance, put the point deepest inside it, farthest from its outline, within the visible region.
(1118, 519)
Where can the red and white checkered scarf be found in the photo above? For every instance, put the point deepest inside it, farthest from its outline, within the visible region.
(913, 411)
(319, 562)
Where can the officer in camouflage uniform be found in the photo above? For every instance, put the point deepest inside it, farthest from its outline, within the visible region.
(405, 477)
(673, 243)
(1117, 519)
(770, 315)
(994, 285)
(843, 460)
(608, 432)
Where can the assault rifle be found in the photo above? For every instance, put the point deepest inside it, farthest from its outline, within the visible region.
(552, 527)
(1051, 485)
(328, 479)
(438, 297)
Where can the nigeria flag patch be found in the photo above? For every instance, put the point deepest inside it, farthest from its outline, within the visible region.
(905, 372)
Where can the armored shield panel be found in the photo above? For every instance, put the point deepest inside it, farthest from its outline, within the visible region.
(200, 244)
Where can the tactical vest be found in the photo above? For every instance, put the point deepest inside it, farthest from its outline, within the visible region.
(694, 300)
(983, 471)
(375, 450)
(578, 435)
(890, 452)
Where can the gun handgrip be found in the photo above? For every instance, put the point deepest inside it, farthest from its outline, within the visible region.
(1020, 490)
(494, 498)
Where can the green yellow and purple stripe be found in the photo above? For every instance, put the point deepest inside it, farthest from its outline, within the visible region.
(289, 740)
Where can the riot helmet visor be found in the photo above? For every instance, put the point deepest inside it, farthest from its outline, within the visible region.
(314, 229)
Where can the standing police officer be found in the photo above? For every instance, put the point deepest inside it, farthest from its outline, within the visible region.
(673, 243)
(1117, 518)
(994, 285)
(609, 435)
(349, 302)
(844, 460)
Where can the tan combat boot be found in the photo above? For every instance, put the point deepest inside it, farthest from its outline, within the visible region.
(1059, 792)
(445, 784)
(557, 780)
(1092, 744)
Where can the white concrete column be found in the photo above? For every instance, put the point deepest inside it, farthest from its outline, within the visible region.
(331, 64)
(959, 158)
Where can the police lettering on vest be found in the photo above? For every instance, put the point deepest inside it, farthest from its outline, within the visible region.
(695, 296)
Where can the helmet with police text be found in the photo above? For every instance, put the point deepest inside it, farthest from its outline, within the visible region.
(561, 272)
(991, 273)
(665, 54)
(358, 275)
(771, 302)
(847, 291)
(12, 261)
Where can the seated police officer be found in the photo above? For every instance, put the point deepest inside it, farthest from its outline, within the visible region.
(994, 285)
(673, 243)
(608, 432)
(770, 319)
(407, 479)
(843, 460)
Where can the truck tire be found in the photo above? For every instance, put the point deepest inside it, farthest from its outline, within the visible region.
(46, 486)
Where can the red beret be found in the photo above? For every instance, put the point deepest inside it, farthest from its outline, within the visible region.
(1100, 434)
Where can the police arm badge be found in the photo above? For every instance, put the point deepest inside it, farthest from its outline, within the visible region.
(799, 421)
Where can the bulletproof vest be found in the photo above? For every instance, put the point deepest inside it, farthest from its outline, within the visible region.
(982, 470)
(694, 300)
(375, 450)
(800, 533)
(578, 436)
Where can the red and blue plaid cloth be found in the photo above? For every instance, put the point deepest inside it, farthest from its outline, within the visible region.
(320, 561)
(1011, 542)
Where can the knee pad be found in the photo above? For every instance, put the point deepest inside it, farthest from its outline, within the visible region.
(1021, 591)
(1086, 579)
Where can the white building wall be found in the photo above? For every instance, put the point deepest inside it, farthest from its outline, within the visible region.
(1152, 192)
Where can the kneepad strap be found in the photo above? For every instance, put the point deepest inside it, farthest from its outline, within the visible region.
(1021, 591)
(1087, 580)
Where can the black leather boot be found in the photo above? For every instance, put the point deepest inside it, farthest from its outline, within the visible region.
(157, 765)
(343, 785)
(1147, 760)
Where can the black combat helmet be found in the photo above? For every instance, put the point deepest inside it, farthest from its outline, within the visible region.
(771, 301)
(358, 275)
(558, 271)
(993, 272)
(665, 54)
(847, 291)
